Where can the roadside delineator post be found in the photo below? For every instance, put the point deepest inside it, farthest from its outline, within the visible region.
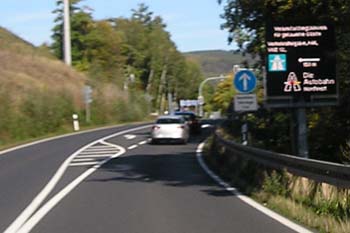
(75, 122)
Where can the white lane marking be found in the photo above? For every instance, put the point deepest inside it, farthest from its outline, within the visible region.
(143, 142)
(40, 213)
(83, 159)
(98, 152)
(246, 199)
(93, 156)
(81, 164)
(98, 149)
(30, 209)
(129, 136)
(132, 147)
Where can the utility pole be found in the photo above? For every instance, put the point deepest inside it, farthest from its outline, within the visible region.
(67, 40)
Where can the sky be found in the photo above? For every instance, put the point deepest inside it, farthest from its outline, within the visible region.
(193, 24)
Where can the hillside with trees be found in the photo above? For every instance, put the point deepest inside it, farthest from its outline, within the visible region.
(216, 62)
(112, 50)
(131, 64)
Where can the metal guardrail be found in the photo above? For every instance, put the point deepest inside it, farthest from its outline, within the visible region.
(320, 171)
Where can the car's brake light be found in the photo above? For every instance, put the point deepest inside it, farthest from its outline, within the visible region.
(155, 127)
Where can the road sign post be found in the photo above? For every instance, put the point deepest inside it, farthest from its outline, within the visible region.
(300, 71)
(88, 101)
(245, 82)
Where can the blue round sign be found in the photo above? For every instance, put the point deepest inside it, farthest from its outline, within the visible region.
(244, 81)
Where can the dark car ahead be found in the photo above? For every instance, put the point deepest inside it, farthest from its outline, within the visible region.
(192, 120)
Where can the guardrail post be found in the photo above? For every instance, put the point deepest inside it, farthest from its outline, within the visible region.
(303, 150)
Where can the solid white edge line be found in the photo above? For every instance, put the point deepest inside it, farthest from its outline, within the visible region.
(288, 223)
(36, 202)
(49, 205)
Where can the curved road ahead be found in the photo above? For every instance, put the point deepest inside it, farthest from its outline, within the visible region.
(118, 184)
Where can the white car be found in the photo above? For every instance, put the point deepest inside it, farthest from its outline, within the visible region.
(170, 128)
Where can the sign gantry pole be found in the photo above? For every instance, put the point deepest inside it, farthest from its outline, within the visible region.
(244, 81)
(67, 39)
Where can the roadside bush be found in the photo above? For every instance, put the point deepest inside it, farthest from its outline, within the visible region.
(111, 105)
(41, 113)
(276, 183)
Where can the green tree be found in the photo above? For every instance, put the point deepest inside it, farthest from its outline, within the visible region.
(103, 53)
(245, 22)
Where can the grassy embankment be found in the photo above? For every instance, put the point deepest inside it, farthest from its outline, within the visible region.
(39, 94)
(317, 205)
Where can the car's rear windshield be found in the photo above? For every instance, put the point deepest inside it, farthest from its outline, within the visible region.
(186, 115)
(169, 121)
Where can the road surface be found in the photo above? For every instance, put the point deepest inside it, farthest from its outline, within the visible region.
(114, 181)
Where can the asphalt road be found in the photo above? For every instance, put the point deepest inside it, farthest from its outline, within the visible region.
(148, 189)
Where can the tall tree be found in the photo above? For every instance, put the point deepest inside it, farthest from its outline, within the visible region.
(103, 53)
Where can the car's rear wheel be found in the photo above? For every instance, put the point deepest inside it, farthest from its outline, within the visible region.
(154, 141)
(184, 141)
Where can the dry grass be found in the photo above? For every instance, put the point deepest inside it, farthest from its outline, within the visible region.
(11, 42)
(24, 67)
(38, 93)
(306, 216)
(22, 74)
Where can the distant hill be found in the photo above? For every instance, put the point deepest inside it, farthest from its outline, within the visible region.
(216, 62)
(15, 44)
